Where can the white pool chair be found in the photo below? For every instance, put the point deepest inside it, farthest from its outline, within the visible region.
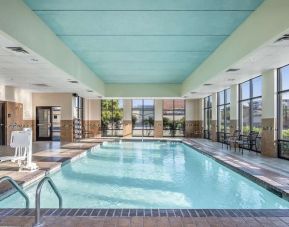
(20, 142)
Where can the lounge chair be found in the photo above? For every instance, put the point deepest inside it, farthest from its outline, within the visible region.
(229, 140)
(248, 141)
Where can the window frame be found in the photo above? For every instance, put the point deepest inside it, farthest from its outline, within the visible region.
(225, 104)
(113, 129)
(173, 109)
(250, 99)
(143, 129)
(280, 92)
(206, 132)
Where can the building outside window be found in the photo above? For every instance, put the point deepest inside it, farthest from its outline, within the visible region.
(143, 117)
(283, 112)
(207, 117)
(112, 117)
(174, 118)
(223, 113)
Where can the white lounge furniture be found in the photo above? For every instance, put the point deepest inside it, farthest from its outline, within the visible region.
(21, 141)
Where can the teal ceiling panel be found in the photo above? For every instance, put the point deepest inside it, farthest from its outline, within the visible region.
(143, 4)
(114, 57)
(143, 22)
(143, 41)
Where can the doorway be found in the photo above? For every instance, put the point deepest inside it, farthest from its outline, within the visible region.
(48, 123)
(2, 123)
(43, 123)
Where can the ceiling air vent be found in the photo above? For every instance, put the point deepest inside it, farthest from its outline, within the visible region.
(283, 38)
(73, 81)
(194, 92)
(40, 85)
(208, 84)
(232, 70)
(18, 50)
(89, 90)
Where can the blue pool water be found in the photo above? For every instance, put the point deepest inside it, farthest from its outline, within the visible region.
(150, 175)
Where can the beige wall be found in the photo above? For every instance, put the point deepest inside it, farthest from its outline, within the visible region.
(234, 102)
(54, 99)
(189, 109)
(92, 109)
(158, 110)
(12, 94)
(197, 109)
(127, 109)
(269, 91)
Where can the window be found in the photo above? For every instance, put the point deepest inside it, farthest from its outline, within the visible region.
(173, 118)
(223, 114)
(143, 117)
(207, 116)
(283, 112)
(111, 117)
(250, 105)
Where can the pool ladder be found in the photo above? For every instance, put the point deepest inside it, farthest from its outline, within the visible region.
(38, 221)
(17, 187)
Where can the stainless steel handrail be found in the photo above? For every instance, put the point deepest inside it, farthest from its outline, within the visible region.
(20, 190)
(37, 198)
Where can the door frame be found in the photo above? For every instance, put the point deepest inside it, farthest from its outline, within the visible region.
(3, 122)
(37, 122)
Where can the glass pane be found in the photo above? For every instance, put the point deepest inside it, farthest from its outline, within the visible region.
(210, 101)
(137, 103)
(44, 124)
(221, 120)
(227, 119)
(174, 117)
(228, 96)
(221, 97)
(284, 116)
(245, 90)
(245, 116)
(117, 114)
(168, 105)
(111, 117)
(257, 86)
(284, 76)
(257, 115)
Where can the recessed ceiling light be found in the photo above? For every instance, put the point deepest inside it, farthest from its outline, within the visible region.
(232, 70)
(73, 81)
(208, 84)
(193, 92)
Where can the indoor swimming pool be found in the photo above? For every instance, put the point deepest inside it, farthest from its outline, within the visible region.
(150, 175)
